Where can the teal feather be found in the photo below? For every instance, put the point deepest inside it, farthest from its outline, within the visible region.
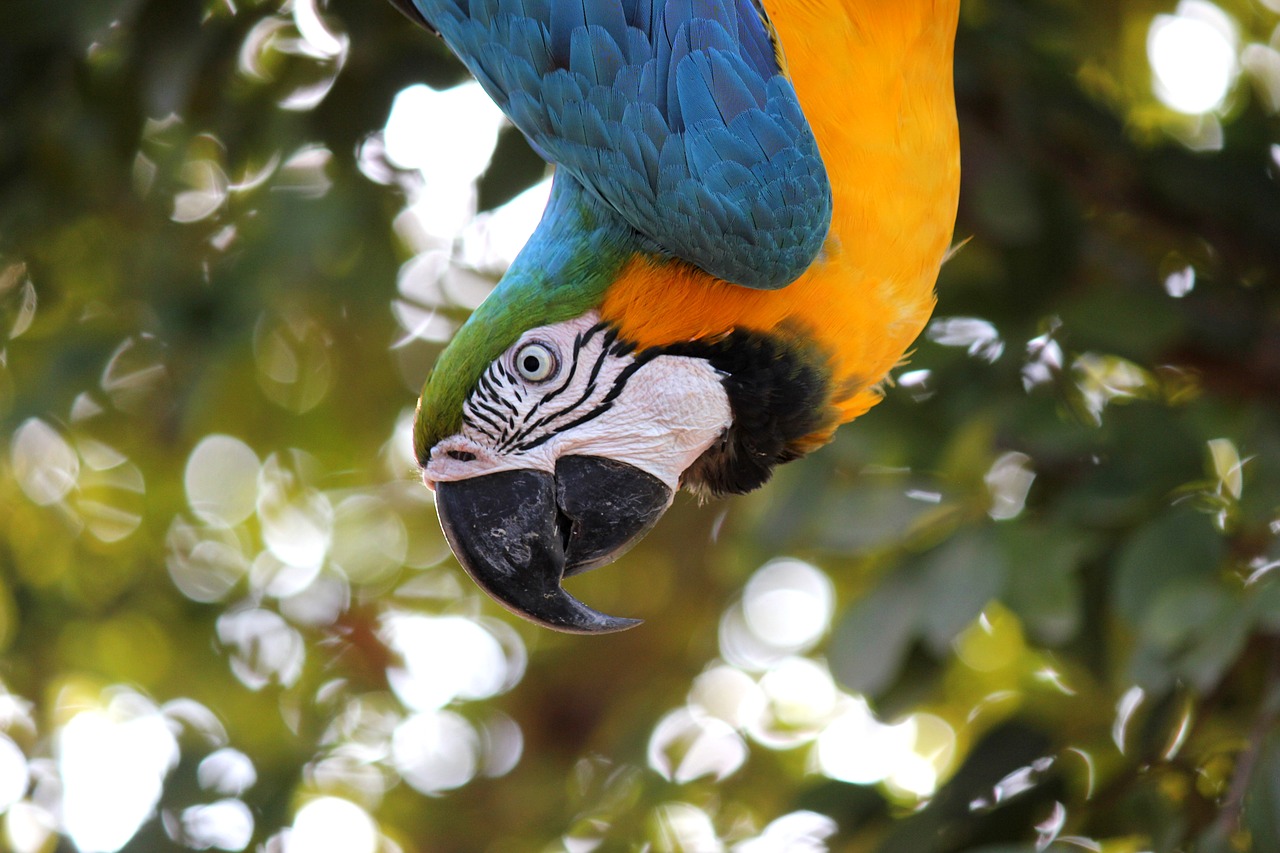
(561, 273)
(675, 115)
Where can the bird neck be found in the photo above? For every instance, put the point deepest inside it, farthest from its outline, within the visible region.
(561, 273)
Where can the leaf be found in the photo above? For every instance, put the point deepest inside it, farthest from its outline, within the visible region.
(1221, 644)
(1181, 544)
(959, 577)
(871, 642)
(1262, 798)
(879, 510)
(1042, 586)
(1194, 629)
(1181, 611)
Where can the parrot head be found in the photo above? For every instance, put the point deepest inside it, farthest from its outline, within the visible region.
(553, 443)
(572, 446)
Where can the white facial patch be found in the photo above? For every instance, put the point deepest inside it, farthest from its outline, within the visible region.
(593, 400)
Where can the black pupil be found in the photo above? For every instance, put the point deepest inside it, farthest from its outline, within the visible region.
(532, 363)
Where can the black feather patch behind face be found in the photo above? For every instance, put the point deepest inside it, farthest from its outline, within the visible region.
(779, 390)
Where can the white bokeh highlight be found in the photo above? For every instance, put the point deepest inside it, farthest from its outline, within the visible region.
(448, 136)
(447, 658)
(221, 479)
(788, 604)
(113, 762)
(1193, 56)
(331, 824)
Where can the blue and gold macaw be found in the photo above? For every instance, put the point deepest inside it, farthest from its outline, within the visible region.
(751, 203)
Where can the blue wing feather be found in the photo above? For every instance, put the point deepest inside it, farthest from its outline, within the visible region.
(676, 114)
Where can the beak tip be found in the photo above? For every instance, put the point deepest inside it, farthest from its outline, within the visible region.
(588, 622)
(554, 608)
(502, 529)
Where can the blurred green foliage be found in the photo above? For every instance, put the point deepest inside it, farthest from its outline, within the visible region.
(1047, 559)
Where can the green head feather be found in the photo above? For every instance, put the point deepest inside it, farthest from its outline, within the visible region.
(561, 273)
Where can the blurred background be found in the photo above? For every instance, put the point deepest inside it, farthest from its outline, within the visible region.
(1028, 603)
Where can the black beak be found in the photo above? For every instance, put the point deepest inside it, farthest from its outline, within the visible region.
(519, 533)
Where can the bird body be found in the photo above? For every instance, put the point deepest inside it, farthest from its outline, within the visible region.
(750, 208)
(875, 82)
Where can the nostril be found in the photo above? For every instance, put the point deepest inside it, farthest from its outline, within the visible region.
(460, 455)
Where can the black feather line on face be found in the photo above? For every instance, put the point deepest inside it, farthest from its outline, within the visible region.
(480, 420)
(619, 384)
(488, 392)
(468, 422)
(551, 416)
(779, 390)
(581, 341)
(480, 408)
(532, 426)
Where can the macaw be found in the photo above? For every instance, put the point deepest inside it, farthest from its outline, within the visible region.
(751, 203)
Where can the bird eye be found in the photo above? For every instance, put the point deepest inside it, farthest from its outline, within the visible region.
(536, 362)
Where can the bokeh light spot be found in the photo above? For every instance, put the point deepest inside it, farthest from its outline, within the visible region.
(685, 746)
(204, 561)
(729, 694)
(978, 337)
(226, 771)
(134, 373)
(685, 827)
(297, 521)
(492, 240)
(1193, 57)
(435, 751)
(225, 825)
(302, 55)
(992, 642)
(856, 747)
(17, 301)
(13, 773)
(264, 648)
(933, 751)
(502, 742)
(221, 479)
(206, 194)
(43, 462)
(295, 370)
(113, 762)
(1180, 282)
(320, 603)
(271, 577)
(305, 172)
(370, 541)
(447, 658)
(788, 604)
(27, 827)
(797, 832)
(330, 824)
(800, 699)
(1105, 379)
(414, 140)
(1008, 481)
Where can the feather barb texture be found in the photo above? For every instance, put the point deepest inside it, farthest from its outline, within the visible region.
(874, 78)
